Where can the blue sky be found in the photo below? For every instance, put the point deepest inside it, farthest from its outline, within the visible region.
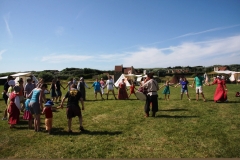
(41, 35)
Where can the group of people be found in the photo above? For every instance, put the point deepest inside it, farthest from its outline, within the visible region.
(220, 94)
(35, 104)
(31, 99)
(109, 84)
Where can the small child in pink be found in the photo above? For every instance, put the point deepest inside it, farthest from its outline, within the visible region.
(27, 114)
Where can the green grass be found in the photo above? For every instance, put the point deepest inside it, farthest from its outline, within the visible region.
(118, 129)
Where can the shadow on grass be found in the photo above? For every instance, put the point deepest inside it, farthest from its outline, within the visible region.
(223, 102)
(101, 132)
(168, 116)
(60, 131)
(175, 109)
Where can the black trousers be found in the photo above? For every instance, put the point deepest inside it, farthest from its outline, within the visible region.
(151, 99)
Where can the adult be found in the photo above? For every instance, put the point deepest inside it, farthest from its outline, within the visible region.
(102, 82)
(28, 87)
(110, 86)
(220, 93)
(198, 80)
(74, 81)
(58, 89)
(53, 91)
(14, 107)
(73, 108)
(152, 95)
(225, 86)
(5, 96)
(97, 88)
(81, 87)
(36, 104)
(184, 83)
(122, 90)
(69, 84)
(21, 94)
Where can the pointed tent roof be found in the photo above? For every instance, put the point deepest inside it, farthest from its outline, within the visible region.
(120, 79)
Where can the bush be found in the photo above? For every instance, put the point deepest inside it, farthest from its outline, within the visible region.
(48, 77)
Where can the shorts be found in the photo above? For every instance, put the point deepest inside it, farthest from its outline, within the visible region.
(5, 97)
(95, 91)
(112, 90)
(184, 90)
(73, 111)
(199, 89)
(34, 108)
(59, 93)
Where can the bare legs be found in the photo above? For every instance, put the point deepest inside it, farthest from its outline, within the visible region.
(70, 124)
(197, 97)
(37, 122)
(112, 93)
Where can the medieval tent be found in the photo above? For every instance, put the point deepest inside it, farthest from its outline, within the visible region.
(235, 76)
(175, 79)
(120, 79)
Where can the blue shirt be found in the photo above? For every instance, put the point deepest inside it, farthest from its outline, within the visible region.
(35, 95)
(97, 86)
(184, 84)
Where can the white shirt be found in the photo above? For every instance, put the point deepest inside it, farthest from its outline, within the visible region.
(110, 84)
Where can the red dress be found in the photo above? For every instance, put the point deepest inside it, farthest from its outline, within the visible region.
(122, 92)
(13, 110)
(220, 94)
(132, 91)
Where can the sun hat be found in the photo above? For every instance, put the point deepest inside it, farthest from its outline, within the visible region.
(81, 78)
(16, 88)
(49, 103)
(11, 83)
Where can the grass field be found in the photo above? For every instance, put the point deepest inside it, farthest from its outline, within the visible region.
(118, 129)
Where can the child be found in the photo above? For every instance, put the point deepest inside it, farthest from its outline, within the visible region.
(184, 84)
(132, 89)
(27, 114)
(47, 110)
(166, 90)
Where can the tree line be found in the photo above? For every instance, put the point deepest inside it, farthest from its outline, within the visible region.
(89, 73)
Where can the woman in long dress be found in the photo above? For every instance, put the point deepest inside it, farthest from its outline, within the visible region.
(14, 107)
(220, 93)
(122, 92)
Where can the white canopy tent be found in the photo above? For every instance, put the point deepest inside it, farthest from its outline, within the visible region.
(120, 79)
(24, 76)
(235, 76)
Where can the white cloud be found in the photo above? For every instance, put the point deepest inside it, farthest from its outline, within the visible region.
(6, 18)
(1, 52)
(206, 31)
(218, 51)
(193, 34)
(206, 53)
(54, 58)
(59, 31)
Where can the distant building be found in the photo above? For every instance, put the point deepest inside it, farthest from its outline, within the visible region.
(220, 68)
(119, 70)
